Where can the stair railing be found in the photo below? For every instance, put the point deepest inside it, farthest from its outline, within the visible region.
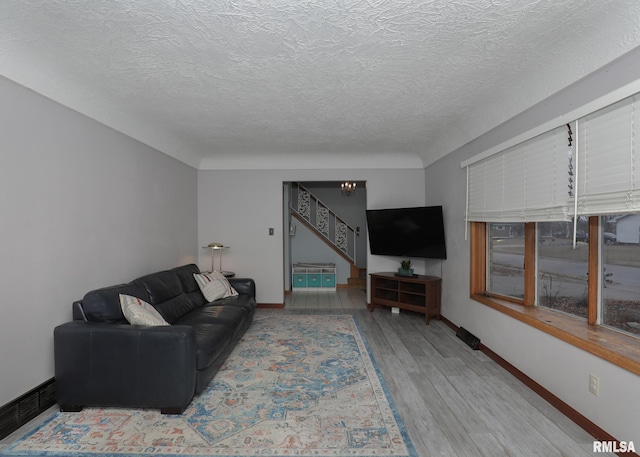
(324, 221)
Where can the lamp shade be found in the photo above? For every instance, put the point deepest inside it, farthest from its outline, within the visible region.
(216, 247)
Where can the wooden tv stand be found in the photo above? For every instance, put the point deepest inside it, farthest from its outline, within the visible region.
(417, 293)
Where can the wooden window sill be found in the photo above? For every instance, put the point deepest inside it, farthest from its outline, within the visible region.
(613, 346)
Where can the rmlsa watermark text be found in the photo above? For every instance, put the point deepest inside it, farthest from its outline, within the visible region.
(614, 446)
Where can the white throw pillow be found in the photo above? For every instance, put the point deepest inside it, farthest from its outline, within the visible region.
(139, 312)
(214, 286)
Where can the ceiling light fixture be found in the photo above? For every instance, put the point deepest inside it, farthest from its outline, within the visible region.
(348, 188)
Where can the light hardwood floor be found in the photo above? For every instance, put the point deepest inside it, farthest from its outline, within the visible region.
(454, 401)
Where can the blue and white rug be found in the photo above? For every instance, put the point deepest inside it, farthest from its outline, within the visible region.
(294, 386)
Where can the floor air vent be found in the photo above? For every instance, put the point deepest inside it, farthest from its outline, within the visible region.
(470, 340)
(15, 414)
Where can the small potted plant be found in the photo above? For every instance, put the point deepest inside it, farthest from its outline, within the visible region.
(405, 268)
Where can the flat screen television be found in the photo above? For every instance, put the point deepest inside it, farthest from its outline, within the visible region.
(407, 232)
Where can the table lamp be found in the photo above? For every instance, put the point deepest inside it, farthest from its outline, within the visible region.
(216, 247)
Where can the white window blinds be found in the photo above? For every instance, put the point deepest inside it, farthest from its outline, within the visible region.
(609, 161)
(528, 182)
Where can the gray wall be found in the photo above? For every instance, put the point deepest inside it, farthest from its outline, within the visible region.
(307, 247)
(236, 208)
(82, 207)
(561, 368)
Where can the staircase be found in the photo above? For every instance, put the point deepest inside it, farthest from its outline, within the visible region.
(329, 227)
(358, 277)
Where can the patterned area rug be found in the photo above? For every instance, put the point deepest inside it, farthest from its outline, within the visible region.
(294, 386)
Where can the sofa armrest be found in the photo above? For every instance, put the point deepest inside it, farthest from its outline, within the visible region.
(101, 364)
(244, 286)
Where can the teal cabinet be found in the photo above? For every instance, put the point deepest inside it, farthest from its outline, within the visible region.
(299, 280)
(313, 280)
(329, 280)
(314, 276)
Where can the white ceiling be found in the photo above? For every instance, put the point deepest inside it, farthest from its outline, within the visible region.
(225, 84)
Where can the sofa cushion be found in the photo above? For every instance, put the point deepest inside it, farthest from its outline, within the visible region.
(166, 294)
(189, 285)
(161, 286)
(139, 312)
(244, 286)
(231, 316)
(215, 327)
(244, 302)
(212, 340)
(214, 286)
(103, 305)
(174, 309)
(185, 275)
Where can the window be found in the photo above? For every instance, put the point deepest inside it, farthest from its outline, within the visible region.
(608, 327)
(621, 272)
(554, 181)
(563, 268)
(506, 260)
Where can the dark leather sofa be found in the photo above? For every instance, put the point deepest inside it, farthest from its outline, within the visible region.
(101, 360)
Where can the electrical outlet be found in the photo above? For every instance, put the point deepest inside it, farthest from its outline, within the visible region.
(594, 385)
(272, 231)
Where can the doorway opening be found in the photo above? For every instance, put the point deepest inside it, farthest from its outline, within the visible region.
(324, 231)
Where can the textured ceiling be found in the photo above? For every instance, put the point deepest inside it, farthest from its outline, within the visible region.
(292, 84)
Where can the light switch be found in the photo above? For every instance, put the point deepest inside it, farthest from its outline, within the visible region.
(271, 231)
